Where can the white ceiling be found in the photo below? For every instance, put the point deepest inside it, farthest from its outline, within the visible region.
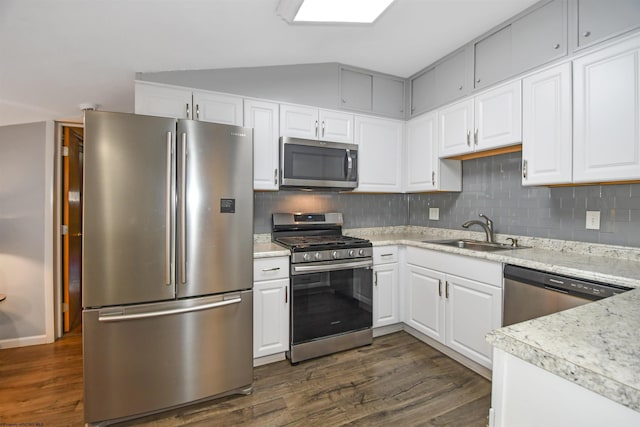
(55, 55)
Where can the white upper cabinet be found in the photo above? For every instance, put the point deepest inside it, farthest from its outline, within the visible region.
(184, 103)
(164, 101)
(498, 117)
(607, 114)
(217, 108)
(424, 170)
(491, 119)
(264, 118)
(311, 123)
(379, 154)
(546, 127)
(455, 128)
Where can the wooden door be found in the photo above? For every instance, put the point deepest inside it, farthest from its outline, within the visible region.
(72, 219)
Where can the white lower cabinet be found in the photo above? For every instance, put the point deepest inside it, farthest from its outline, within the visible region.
(385, 286)
(454, 310)
(270, 306)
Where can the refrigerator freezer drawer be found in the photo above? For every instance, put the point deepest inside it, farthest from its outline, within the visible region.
(145, 358)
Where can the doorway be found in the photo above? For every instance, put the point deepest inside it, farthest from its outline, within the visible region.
(71, 251)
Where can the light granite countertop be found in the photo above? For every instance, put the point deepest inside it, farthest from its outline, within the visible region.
(596, 346)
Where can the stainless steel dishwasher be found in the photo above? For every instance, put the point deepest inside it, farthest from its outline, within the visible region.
(532, 293)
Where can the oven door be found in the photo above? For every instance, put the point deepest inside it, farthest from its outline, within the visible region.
(330, 299)
(317, 164)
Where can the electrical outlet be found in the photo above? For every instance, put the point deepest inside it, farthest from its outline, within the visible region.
(593, 220)
(434, 214)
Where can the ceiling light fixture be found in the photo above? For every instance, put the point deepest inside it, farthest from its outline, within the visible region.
(332, 11)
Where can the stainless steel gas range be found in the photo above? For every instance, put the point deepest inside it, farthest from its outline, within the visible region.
(331, 283)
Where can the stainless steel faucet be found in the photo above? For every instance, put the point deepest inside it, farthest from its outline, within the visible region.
(487, 227)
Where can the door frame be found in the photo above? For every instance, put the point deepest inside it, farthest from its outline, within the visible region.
(57, 320)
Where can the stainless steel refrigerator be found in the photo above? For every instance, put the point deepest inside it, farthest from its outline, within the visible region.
(167, 263)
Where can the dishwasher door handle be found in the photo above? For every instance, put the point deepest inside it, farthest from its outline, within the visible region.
(550, 288)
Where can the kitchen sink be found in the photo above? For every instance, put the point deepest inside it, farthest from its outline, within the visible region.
(476, 245)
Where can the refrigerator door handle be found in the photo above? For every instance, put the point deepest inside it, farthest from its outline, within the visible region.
(182, 256)
(167, 246)
(145, 315)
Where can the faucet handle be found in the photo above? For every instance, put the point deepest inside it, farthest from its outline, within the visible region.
(514, 241)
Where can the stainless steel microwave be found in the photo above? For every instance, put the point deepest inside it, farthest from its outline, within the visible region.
(313, 164)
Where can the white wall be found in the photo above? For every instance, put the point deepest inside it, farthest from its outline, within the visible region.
(26, 232)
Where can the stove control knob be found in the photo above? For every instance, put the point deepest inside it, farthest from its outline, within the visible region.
(334, 254)
(352, 252)
(318, 255)
(361, 252)
(306, 257)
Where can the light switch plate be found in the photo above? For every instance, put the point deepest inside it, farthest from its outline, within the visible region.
(434, 214)
(593, 220)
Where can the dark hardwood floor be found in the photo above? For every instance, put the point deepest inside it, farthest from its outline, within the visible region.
(396, 381)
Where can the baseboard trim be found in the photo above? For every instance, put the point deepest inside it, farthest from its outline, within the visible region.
(23, 341)
(265, 360)
(386, 330)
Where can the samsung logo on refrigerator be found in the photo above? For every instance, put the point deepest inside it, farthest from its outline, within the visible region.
(238, 134)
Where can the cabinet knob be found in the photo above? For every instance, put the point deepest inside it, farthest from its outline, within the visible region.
(460, 87)
(343, 101)
(586, 34)
(556, 46)
(478, 81)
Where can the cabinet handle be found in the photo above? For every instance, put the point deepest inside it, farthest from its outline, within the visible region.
(275, 176)
(271, 269)
(446, 289)
(524, 169)
(439, 287)
(286, 294)
(316, 128)
(468, 138)
(475, 137)
(386, 255)
(323, 128)
(375, 281)
(197, 111)
(188, 112)
(586, 34)
(433, 178)
(556, 46)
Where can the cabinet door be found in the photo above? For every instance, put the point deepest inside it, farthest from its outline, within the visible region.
(388, 96)
(424, 309)
(355, 90)
(546, 127)
(335, 126)
(270, 317)
(599, 20)
(454, 128)
(422, 153)
(263, 117)
(540, 36)
(217, 108)
(498, 117)
(163, 101)
(299, 122)
(385, 295)
(451, 78)
(473, 309)
(423, 92)
(380, 154)
(607, 114)
(493, 58)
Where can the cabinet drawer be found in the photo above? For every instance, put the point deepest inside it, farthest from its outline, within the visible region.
(385, 254)
(270, 268)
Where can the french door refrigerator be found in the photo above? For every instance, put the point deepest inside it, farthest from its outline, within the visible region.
(167, 263)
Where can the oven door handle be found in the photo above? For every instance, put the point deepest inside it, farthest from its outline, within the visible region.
(299, 269)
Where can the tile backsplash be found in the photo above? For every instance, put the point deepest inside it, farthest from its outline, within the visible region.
(491, 186)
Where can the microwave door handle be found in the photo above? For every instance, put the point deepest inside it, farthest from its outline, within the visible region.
(349, 164)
